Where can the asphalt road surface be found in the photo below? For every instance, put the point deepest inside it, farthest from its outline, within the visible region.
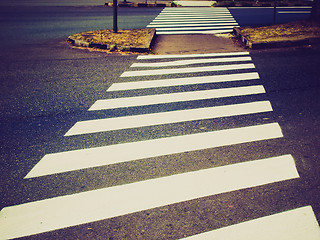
(46, 89)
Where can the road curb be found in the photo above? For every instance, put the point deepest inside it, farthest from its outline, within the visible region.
(145, 48)
(237, 31)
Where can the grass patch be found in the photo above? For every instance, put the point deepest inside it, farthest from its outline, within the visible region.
(283, 32)
(130, 38)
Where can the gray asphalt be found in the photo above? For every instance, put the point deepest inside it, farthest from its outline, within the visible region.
(47, 88)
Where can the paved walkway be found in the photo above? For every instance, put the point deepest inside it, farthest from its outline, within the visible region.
(187, 44)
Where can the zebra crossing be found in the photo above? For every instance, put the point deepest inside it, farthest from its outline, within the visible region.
(151, 73)
(190, 20)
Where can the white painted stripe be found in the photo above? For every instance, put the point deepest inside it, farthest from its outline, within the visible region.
(186, 12)
(205, 11)
(187, 70)
(295, 12)
(142, 57)
(110, 124)
(209, 14)
(265, 7)
(195, 3)
(192, 61)
(186, 15)
(295, 7)
(192, 13)
(180, 23)
(71, 210)
(192, 17)
(196, 20)
(112, 154)
(123, 86)
(196, 9)
(297, 224)
(183, 28)
(166, 12)
(191, 25)
(194, 32)
(175, 97)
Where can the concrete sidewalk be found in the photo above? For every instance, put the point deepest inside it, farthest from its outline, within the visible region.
(194, 43)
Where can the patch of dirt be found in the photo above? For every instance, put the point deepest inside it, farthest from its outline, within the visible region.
(283, 32)
(131, 38)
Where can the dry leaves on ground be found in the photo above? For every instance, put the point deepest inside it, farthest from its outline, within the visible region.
(283, 32)
(130, 38)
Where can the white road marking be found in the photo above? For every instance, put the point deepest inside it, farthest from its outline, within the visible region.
(195, 14)
(183, 28)
(112, 154)
(194, 9)
(295, 12)
(296, 224)
(217, 21)
(71, 210)
(149, 57)
(113, 103)
(210, 13)
(187, 70)
(195, 3)
(230, 23)
(191, 16)
(179, 18)
(182, 81)
(186, 20)
(194, 32)
(110, 124)
(193, 61)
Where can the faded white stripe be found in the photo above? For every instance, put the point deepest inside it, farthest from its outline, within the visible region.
(194, 32)
(193, 9)
(142, 57)
(156, 21)
(154, 24)
(65, 211)
(229, 23)
(296, 224)
(175, 97)
(191, 17)
(187, 70)
(295, 12)
(182, 81)
(182, 28)
(109, 124)
(192, 61)
(101, 156)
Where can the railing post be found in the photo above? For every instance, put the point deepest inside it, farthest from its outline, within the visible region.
(274, 11)
(115, 16)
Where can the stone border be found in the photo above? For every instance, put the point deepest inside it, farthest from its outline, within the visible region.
(111, 47)
(274, 44)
